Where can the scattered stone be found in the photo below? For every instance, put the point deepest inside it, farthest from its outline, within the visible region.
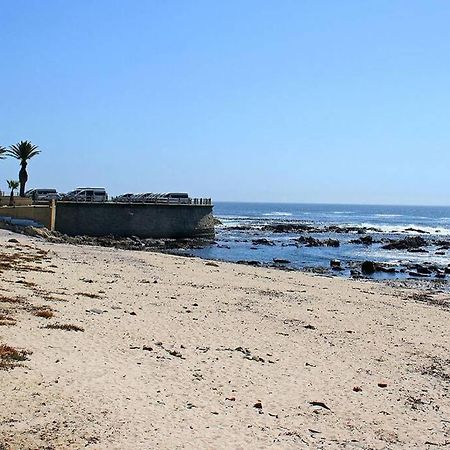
(258, 405)
(382, 385)
(357, 389)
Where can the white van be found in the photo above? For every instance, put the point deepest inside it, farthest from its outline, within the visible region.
(87, 195)
(42, 194)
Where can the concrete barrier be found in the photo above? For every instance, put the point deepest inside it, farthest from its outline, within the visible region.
(18, 201)
(40, 214)
(142, 219)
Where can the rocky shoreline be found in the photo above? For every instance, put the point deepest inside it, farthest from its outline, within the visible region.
(434, 276)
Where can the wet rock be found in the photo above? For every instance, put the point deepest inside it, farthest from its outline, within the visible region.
(249, 263)
(281, 261)
(417, 230)
(335, 264)
(412, 242)
(262, 241)
(363, 240)
(368, 267)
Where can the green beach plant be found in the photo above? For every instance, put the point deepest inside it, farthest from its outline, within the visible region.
(13, 185)
(23, 151)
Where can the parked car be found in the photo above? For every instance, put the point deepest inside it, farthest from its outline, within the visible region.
(124, 197)
(86, 195)
(42, 194)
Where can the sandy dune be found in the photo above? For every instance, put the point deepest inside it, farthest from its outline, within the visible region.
(179, 353)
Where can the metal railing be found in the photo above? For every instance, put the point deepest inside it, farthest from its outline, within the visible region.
(167, 201)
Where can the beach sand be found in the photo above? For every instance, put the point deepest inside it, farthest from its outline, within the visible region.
(181, 353)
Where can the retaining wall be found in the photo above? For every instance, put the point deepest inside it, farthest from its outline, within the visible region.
(142, 220)
(40, 214)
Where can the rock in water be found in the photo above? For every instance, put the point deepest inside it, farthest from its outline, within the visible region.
(368, 267)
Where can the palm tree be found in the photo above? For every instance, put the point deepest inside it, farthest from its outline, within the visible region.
(2, 152)
(23, 151)
(13, 185)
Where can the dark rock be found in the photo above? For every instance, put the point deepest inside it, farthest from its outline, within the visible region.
(332, 243)
(412, 242)
(368, 267)
(281, 261)
(417, 274)
(364, 240)
(335, 264)
(249, 263)
(417, 250)
(416, 230)
(262, 241)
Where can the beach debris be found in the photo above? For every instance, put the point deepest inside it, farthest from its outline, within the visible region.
(11, 357)
(213, 264)
(382, 385)
(88, 294)
(258, 405)
(86, 280)
(230, 399)
(147, 348)
(132, 313)
(14, 241)
(357, 389)
(309, 327)
(320, 405)
(95, 311)
(65, 327)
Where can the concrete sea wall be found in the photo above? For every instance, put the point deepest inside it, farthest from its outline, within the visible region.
(126, 219)
(43, 215)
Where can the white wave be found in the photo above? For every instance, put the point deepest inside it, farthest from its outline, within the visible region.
(388, 215)
(408, 228)
(278, 214)
(342, 212)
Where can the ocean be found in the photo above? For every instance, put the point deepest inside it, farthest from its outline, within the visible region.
(244, 223)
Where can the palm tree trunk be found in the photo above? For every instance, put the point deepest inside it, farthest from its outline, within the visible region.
(23, 178)
(11, 198)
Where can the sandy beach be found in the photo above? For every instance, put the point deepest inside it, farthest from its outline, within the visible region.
(140, 350)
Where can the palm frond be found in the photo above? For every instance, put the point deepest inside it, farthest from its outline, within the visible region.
(13, 184)
(2, 152)
(23, 150)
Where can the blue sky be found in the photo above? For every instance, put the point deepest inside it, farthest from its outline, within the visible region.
(299, 101)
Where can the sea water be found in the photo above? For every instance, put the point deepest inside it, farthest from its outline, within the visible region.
(391, 222)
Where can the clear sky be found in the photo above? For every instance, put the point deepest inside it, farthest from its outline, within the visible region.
(257, 100)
